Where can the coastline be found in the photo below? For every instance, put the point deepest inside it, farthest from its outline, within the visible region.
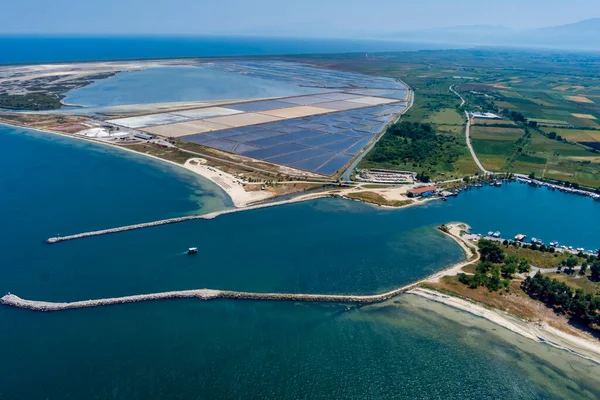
(130, 151)
(538, 332)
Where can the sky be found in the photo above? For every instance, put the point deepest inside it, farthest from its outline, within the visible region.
(331, 18)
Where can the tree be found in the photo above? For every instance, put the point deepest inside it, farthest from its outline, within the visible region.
(552, 135)
(490, 251)
(509, 269)
(533, 246)
(524, 266)
(494, 282)
(583, 269)
(595, 270)
(532, 175)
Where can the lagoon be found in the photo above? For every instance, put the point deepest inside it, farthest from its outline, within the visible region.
(179, 84)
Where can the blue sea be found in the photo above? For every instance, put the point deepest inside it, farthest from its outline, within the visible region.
(405, 348)
(44, 49)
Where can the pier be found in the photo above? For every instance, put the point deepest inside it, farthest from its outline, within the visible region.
(176, 220)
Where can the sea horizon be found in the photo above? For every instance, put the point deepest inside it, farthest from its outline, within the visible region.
(35, 48)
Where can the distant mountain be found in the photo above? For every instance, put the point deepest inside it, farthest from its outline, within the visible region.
(469, 34)
(583, 35)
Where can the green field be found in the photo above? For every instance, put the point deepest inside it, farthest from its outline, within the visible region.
(494, 146)
(576, 135)
(532, 84)
(549, 121)
(446, 116)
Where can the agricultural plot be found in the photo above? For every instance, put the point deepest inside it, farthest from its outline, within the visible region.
(543, 145)
(558, 160)
(446, 117)
(587, 137)
(493, 145)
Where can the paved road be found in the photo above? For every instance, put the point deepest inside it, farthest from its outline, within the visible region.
(468, 133)
(534, 270)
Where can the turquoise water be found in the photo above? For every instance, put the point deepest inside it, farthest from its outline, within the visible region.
(179, 83)
(405, 348)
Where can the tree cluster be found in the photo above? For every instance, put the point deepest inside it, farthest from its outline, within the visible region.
(495, 269)
(415, 144)
(577, 303)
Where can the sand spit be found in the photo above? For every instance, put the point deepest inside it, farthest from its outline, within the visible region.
(539, 332)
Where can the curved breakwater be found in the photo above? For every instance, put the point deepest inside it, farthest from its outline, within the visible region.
(212, 294)
(201, 294)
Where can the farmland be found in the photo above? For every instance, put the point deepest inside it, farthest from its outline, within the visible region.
(553, 93)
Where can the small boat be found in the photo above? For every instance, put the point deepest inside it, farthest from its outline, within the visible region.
(490, 233)
(496, 234)
(444, 199)
(193, 250)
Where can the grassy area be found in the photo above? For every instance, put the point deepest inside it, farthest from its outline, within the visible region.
(376, 198)
(446, 116)
(578, 281)
(575, 135)
(495, 145)
(515, 301)
(537, 258)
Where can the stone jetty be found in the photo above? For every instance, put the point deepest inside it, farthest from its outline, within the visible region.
(201, 294)
(211, 215)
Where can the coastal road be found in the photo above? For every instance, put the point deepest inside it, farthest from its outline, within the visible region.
(468, 134)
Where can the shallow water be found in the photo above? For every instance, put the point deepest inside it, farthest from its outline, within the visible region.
(405, 348)
(179, 83)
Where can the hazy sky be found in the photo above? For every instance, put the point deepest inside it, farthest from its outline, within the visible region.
(298, 17)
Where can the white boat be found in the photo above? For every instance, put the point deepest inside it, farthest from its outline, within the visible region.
(193, 250)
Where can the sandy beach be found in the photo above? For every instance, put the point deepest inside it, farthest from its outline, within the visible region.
(233, 186)
(538, 332)
(225, 181)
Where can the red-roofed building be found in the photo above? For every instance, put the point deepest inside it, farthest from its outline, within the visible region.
(424, 191)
